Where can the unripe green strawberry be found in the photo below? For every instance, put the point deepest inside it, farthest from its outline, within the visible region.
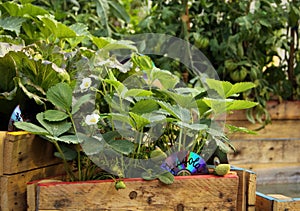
(120, 185)
(222, 169)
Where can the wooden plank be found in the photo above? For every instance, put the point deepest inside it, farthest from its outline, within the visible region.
(13, 187)
(284, 110)
(2, 135)
(263, 202)
(265, 151)
(247, 188)
(278, 129)
(251, 190)
(269, 173)
(241, 198)
(23, 151)
(201, 192)
(276, 202)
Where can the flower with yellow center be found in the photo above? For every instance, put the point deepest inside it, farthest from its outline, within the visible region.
(85, 84)
(92, 119)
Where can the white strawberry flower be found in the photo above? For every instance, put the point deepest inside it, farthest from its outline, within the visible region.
(92, 119)
(85, 84)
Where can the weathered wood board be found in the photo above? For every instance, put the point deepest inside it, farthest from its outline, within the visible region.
(263, 150)
(276, 202)
(202, 192)
(247, 189)
(21, 151)
(13, 187)
(23, 157)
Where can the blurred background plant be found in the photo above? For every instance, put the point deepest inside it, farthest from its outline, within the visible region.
(244, 40)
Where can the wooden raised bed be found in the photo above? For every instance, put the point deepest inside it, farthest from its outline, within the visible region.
(235, 191)
(201, 192)
(23, 157)
(276, 202)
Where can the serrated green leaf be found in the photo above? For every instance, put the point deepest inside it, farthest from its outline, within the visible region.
(55, 129)
(166, 178)
(240, 87)
(15, 9)
(234, 129)
(83, 99)
(92, 145)
(12, 24)
(176, 111)
(221, 87)
(217, 105)
(183, 100)
(239, 105)
(144, 106)
(80, 29)
(32, 128)
(122, 146)
(195, 127)
(60, 95)
(137, 93)
(69, 154)
(139, 121)
(60, 30)
(69, 139)
(108, 44)
(166, 78)
(55, 115)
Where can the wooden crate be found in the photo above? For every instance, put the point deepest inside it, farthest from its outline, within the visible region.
(23, 157)
(276, 202)
(13, 187)
(201, 192)
(21, 151)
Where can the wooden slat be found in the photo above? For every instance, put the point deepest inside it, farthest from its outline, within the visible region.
(242, 199)
(276, 202)
(278, 129)
(205, 192)
(265, 151)
(23, 151)
(2, 135)
(263, 202)
(13, 187)
(251, 188)
(284, 110)
(247, 189)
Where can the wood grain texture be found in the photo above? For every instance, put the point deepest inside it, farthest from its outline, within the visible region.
(205, 192)
(21, 151)
(265, 151)
(247, 189)
(13, 187)
(276, 202)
